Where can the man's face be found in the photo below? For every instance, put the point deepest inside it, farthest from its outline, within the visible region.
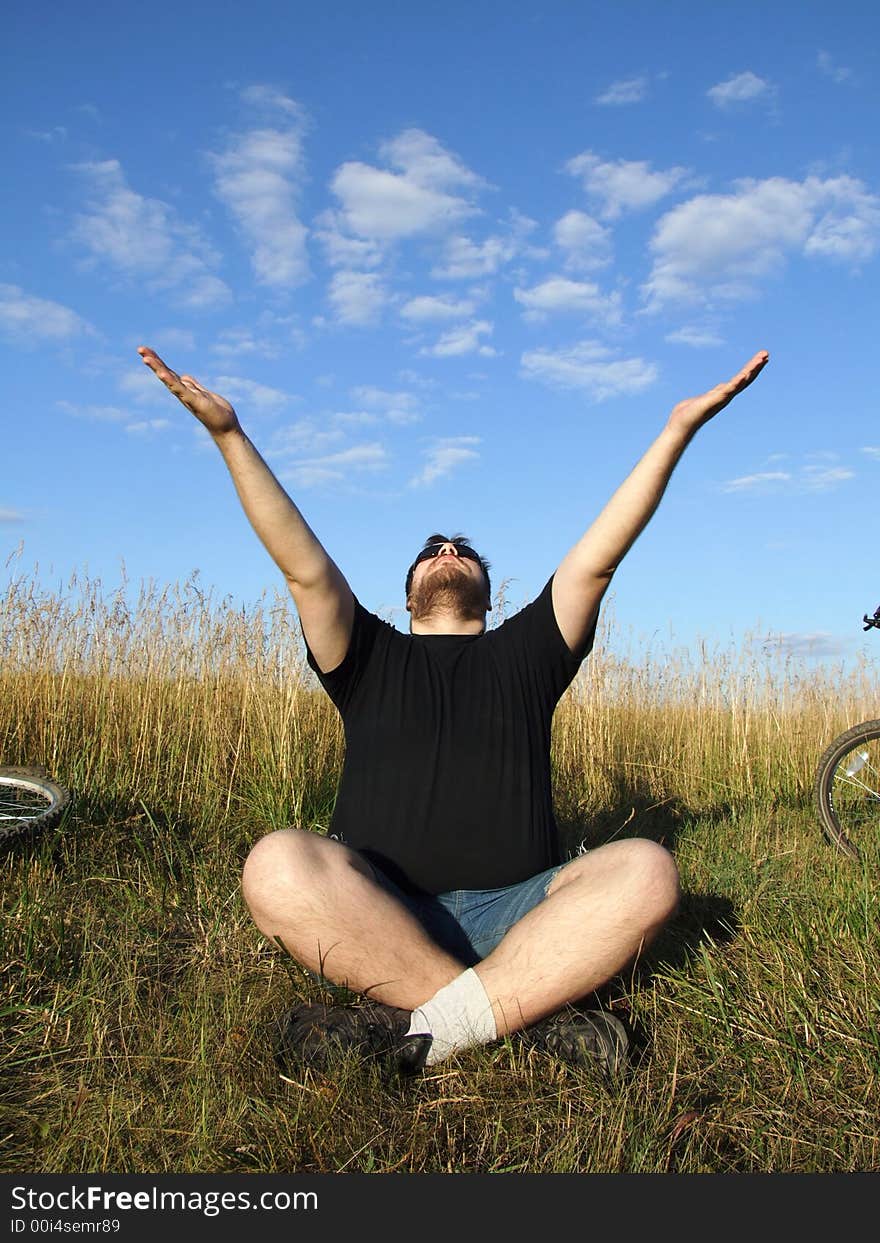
(448, 578)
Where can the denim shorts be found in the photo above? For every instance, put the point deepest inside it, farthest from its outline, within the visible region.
(469, 923)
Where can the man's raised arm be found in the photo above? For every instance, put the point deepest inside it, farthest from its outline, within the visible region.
(585, 572)
(323, 598)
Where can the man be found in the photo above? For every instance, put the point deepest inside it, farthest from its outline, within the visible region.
(440, 893)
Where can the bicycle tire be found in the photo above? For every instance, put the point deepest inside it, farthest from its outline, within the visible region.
(30, 802)
(847, 788)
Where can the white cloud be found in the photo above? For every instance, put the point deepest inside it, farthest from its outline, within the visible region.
(740, 89)
(385, 206)
(11, 516)
(310, 438)
(180, 339)
(31, 321)
(557, 294)
(697, 338)
(761, 480)
(871, 450)
(623, 185)
(444, 456)
(398, 407)
(465, 259)
(819, 644)
(464, 339)
(837, 73)
(815, 479)
(100, 414)
(357, 297)
(624, 91)
(716, 246)
(148, 426)
(585, 242)
(142, 387)
(341, 250)
(243, 342)
(143, 239)
(806, 478)
(427, 309)
(590, 367)
(259, 398)
(259, 177)
(57, 133)
(263, 95)
(337, 467)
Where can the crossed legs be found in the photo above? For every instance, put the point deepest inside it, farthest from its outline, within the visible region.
(322, 902)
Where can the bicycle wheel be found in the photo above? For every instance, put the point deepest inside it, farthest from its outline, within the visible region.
(29, 801)
(848, 787)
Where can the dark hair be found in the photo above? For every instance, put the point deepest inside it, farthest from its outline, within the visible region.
(459, 541)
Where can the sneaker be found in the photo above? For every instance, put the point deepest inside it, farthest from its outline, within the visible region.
(592, 1038)
(313, 1034)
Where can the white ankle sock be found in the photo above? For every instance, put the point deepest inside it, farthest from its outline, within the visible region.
(458, 1016)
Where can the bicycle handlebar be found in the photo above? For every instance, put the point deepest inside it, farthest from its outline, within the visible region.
(872, 621)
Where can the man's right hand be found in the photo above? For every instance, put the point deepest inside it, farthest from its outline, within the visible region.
(209, 408)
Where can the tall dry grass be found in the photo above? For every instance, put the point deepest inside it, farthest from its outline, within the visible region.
(137, 999)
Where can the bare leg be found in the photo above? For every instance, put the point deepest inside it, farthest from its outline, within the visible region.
(321, 901)
(600, 911)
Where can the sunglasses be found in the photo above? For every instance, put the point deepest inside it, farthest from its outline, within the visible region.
(433, 550)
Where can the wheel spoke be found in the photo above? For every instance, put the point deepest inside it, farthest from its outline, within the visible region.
(848, 787)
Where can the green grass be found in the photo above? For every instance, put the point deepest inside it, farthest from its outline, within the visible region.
(138, 1001)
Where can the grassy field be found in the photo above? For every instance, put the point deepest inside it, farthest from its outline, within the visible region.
(138, 1002)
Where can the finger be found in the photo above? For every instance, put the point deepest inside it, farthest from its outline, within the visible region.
(156, 365)
(750, 372)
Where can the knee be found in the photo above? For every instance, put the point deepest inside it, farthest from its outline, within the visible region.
(640, 875)
(274, 867)
(652, 877)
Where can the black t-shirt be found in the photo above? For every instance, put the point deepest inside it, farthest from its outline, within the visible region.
(446, 779)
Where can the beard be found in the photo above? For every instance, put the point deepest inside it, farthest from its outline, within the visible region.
(448, 589)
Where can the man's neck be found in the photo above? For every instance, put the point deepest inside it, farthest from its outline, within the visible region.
(445, 622)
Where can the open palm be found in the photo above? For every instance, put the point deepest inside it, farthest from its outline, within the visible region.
(209, 408)
(693, 412)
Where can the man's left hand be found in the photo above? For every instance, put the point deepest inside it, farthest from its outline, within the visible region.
(690, 415)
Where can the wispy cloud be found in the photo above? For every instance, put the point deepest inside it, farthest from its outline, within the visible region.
(759, 481)
(96, 413)
(697, 338)
(464, 339)
(819, 645)
(58, 133)
(258, 176)
(591, 368)
(255, 397)
(11, 517)
(147, 427)
(427, 309)
(585, 243)
(743, 88)
(466, 259)
(30, 321)
(357, 298)
(558, 295)
(830, 69)
(717, 246)
(807, 477)
(623, 185)
(443, 457)
(395, 407)
(871, 451)
(624, 91)
(143, 239)
(337, 468)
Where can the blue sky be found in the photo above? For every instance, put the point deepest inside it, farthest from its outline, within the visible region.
(453, 264)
